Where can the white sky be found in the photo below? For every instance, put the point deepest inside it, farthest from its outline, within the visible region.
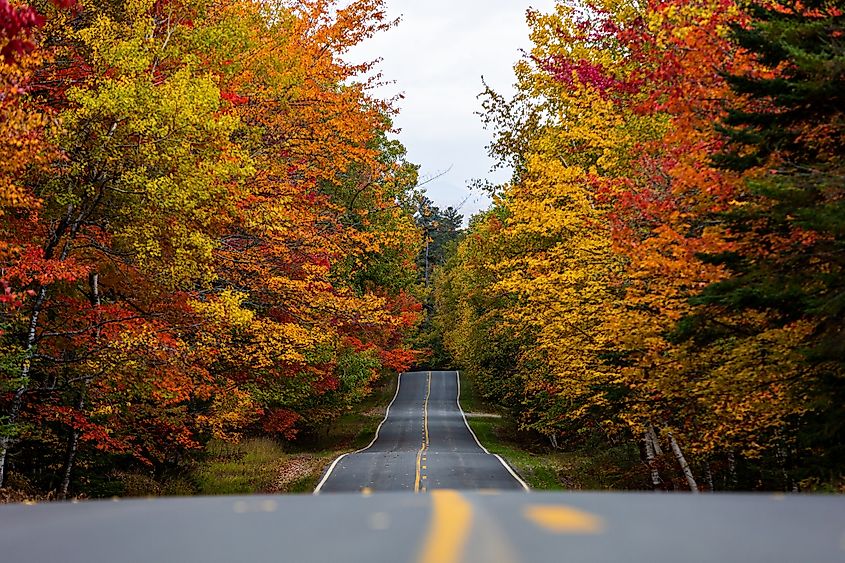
(436, 57)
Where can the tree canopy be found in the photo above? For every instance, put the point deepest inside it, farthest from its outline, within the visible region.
(206, 230)
(665, 265)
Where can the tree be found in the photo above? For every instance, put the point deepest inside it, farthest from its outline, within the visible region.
(694, 321)
(786, 135)
(440, 228)
(209, 246)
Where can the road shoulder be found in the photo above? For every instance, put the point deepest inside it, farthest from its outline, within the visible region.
(542, 467)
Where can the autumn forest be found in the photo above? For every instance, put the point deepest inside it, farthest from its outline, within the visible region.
(208, 231)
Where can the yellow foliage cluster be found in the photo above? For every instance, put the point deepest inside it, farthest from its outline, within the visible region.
(577, 301)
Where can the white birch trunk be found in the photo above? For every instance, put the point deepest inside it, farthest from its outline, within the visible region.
(658, 451)
(651, 458)
(733, 478)
(73, 446)
(73, 443)
(17, 401)
(682, 461)
(6, 440)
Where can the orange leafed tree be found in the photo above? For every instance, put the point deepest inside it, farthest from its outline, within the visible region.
(208, 248)
(606, 273)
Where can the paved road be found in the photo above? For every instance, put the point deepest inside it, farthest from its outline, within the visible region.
(423, 444)
(440, 527)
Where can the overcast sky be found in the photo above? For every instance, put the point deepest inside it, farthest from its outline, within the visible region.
(436, 58)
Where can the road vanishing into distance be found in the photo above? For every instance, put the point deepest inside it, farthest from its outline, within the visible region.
(425, 491)
(423, 444)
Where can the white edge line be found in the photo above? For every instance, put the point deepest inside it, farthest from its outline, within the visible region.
(513, 473)
(328, 474)
(465, 416)
(497, 456)
(335, 462)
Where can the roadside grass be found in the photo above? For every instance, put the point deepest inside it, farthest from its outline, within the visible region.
(265, 466)
(542, 467)
(237, 469)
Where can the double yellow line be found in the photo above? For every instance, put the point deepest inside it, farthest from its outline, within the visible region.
(424, 446)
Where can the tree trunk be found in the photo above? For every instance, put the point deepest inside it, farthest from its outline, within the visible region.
(682, 461)
(782, 456)
(426, 256)
(651, 459)
(658, 451)
(6, 439)
(709, 476)
(72, 447)
(73, 442)
(733, 478)
(71, 227)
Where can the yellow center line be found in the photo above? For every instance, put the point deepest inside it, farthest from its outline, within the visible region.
(451, 524)
(425, 409)
(417, 478)
(425, 440)
(559, 519)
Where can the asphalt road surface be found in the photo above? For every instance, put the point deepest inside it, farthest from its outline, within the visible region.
(423, 444)
(439, 527)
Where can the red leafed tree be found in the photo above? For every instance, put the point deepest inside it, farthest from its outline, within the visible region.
(188, 271)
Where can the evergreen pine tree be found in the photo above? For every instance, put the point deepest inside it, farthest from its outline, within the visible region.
(788, 136)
